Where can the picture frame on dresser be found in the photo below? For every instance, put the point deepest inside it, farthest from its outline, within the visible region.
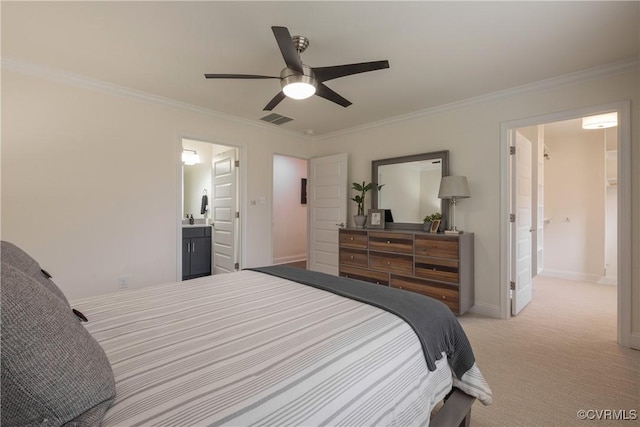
(376, 218)
(435, 225)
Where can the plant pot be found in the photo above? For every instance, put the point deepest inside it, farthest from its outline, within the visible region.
(360, 220)
(427, 226)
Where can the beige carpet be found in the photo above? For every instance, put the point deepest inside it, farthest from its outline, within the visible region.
(557, 357)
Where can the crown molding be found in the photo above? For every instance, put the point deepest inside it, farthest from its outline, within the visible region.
(77, 80)
(614, 68)
(84, 82)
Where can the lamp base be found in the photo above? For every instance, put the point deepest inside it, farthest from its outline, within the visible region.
(453, 231)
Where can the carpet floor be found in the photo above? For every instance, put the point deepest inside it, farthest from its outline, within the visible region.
(557, 357)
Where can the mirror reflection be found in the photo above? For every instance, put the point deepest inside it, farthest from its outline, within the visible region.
(411, 185)
(410, 189)
(197, 183)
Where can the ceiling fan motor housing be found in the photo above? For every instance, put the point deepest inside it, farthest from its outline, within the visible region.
(301, 43)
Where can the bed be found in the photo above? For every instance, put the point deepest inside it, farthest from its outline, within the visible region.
(258, 347)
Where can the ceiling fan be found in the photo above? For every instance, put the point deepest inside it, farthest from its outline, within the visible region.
(300, 81)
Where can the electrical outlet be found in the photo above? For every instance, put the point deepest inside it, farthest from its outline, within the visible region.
(123, 282)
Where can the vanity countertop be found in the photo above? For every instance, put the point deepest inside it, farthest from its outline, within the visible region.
(195, 225)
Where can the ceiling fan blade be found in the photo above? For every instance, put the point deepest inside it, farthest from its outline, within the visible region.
(238, 76)
(326, 93)
(327, 73)
(289, 52)
(275, 101)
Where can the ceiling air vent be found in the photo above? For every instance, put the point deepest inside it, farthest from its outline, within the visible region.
(276, 119)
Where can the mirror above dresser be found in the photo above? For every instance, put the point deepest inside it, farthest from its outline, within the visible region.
(411, 185)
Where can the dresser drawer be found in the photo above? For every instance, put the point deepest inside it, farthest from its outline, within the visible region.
(392, 263)
(441, 247)
(353, 239)
(376, 277)
(446, 294)
(446, 270)
(391, 242)
(354, 257)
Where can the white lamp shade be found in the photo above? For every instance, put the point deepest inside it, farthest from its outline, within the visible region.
(601, 121)
(454, 186)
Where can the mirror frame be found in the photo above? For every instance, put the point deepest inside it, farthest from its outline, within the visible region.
(375, 164)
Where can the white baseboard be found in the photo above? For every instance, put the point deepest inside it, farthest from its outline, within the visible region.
(570, 275)
(486, 310)
(290, 258)
(635, 341)
(604, 280)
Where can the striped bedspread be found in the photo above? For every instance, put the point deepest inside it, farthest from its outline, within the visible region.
(247, 348)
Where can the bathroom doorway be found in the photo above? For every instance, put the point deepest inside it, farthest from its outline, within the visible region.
(210, 185)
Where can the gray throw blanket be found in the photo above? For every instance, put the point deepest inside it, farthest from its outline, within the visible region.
(436, 326)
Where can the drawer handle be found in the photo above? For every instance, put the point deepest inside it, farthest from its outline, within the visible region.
(351, 238)
(388, 262)
(434, 269)
(444, 297)
(352, 258)
(377, 283)
(388, 242)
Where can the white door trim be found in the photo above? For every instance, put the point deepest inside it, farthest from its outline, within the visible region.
(623, 108)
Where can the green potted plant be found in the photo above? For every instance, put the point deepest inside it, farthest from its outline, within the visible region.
(429, 219)
(360, 218)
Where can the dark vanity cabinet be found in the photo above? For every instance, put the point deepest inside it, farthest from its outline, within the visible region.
(196, 252)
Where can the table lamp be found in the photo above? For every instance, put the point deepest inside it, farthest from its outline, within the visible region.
(454, 188)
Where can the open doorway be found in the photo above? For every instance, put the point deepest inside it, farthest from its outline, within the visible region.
(209, 181)
(290, 215)
(615, 233)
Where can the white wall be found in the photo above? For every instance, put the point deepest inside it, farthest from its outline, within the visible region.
(90, 181)
(575, 203)
(471, 131)
(289, 215)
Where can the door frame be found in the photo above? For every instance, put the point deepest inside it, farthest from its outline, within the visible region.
(623, 108)
(241, 189)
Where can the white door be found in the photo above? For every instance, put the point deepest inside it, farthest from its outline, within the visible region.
(224, 209)
(327, 204)
(521, 228)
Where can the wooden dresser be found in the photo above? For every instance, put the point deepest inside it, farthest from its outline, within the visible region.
(440, 266)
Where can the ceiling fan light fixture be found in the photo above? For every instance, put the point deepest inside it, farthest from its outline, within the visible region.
(296, 85)
(299, 90)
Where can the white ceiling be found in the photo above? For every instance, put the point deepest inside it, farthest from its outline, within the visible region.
(439, 52)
